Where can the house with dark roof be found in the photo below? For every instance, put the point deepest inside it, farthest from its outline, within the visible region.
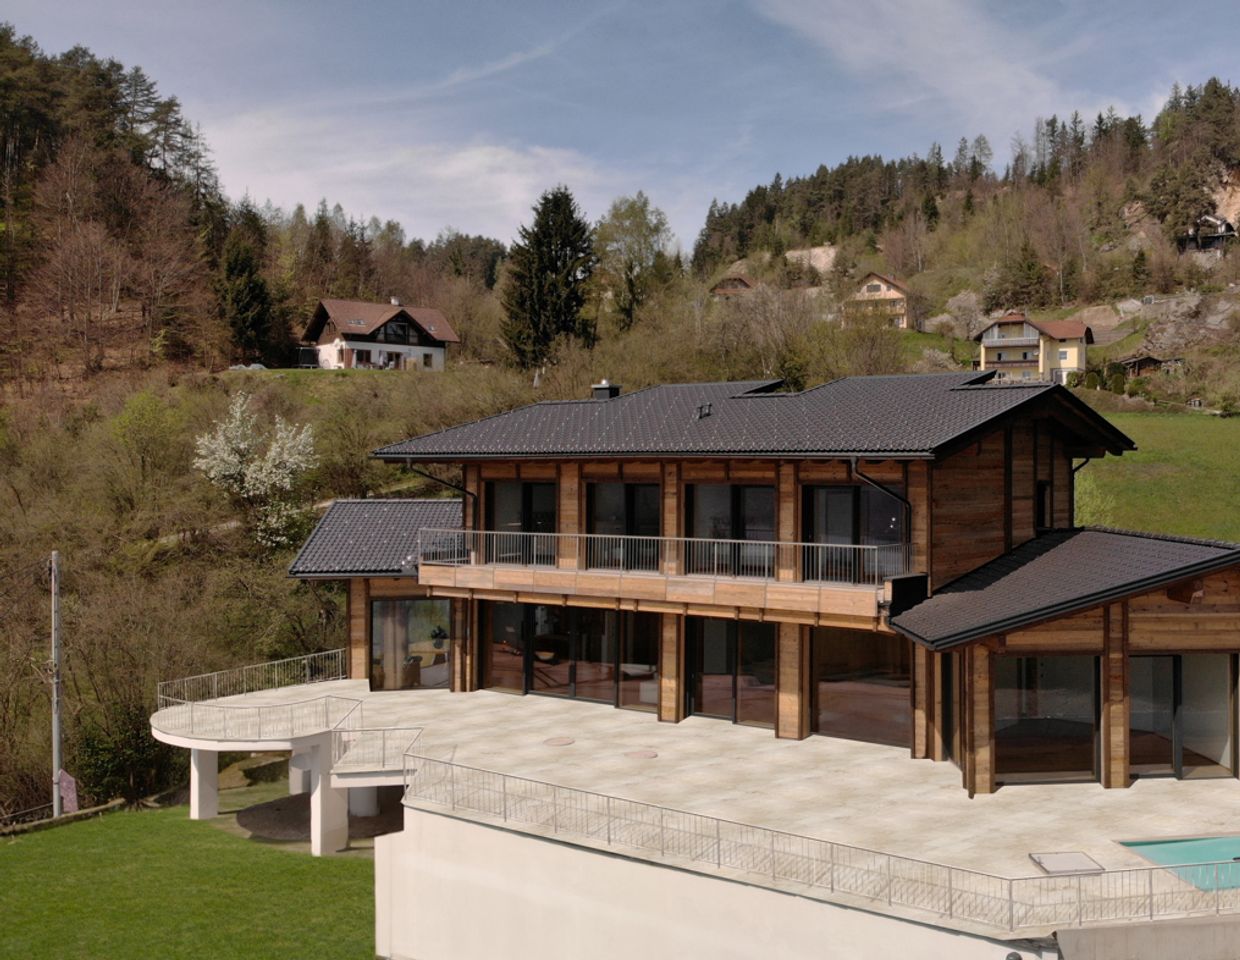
(889, 559)
(355, 334)
(1017, 348)
(883, 297)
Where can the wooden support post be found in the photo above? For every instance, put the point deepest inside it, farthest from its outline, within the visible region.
(569, 520)
(1116, 707)
(672, 669)
(793, 680)
(358, 609)
(464, 643)
(787, 526)
(980, 758)
(671, 517)
(923, 702)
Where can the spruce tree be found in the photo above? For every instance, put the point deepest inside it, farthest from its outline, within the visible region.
(549, 267)
(244, 300)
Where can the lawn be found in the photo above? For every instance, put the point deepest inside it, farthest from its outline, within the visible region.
(156, 884)
(1183, 479)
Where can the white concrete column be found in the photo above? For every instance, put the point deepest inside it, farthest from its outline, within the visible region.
(298, 772)
(329, 807)
(364, 801)
(204, 784)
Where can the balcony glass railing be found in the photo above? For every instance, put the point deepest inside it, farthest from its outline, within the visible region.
(680, 556)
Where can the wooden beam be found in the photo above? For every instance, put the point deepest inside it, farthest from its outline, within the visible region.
(671, 669)
(1115, 713)
(980, 755)
(922, 694)
(793, 682)
(570, 515)
(359, 628)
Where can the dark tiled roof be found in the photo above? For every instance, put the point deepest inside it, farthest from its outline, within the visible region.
(1054, 575)
(371, 537)
(901, 416)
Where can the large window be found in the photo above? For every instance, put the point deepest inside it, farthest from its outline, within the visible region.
(861, 686)
(409, 643)
(518, 512)
(725, 514)
(731, 669)
(600, 655)
(1181, 715)
(837, 518)
(617, 513)
(1045, 718)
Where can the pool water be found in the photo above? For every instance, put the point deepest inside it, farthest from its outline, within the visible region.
(1219, 858)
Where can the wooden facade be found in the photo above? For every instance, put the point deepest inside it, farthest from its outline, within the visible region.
(976, 502)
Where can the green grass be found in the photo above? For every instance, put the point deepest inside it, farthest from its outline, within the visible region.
(1184, 477)
(156, 884)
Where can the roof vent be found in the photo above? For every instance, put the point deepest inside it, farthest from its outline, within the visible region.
(703, 411)
(604, 390)
(395, 301)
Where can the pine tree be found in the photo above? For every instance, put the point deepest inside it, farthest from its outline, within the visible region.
(549, 267)
(244, 299)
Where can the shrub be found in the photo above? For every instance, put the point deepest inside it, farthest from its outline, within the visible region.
(1116, 383)
(1074, 379)
(1091, 381)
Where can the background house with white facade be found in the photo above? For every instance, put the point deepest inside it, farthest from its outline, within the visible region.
(355, 334)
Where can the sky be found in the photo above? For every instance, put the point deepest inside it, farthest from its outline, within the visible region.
(459, 114)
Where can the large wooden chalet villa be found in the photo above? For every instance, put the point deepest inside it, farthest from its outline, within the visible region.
(889, 559)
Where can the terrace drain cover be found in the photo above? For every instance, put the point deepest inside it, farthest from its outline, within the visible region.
(1070, 862)
(641, 754)
(559, 741)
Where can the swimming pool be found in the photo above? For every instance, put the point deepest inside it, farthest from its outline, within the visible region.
(1208, 863)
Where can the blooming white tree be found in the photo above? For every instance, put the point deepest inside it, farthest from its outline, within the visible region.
(258, 471)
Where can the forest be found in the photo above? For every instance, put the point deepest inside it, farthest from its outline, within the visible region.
(130, 283)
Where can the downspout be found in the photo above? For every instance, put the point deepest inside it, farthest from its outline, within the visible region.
(445, 483)
(908, 507)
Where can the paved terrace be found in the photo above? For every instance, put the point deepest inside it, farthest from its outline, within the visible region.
(854, 793)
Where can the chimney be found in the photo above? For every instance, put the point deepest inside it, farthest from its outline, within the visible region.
(395, 301)
(604, 390)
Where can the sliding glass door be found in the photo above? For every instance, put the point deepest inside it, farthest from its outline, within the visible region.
(1046, 718)
(600, 655)
(517, 512)
(861, 686)
(731, 670)
(1182, 722)
(617, 514)
(724, 515)
(837, 518)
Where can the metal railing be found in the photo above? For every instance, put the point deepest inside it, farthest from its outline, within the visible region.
(277, 721)
(688, 556)
(372, 749)
(312, 668)
(826, 867)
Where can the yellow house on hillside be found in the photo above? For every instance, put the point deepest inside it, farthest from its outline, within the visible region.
(1018, 348)
(881, 296)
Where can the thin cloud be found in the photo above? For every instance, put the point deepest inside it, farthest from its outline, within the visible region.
(425, 183)
(928, 55)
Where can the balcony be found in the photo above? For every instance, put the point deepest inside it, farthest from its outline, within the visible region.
(831, 582)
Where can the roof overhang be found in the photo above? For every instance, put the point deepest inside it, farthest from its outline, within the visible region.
(1085, 601)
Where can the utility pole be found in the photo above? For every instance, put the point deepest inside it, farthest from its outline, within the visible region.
(56, 683)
